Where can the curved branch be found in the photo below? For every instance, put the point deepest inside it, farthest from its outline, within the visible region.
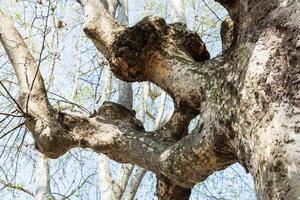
(114, 130)
(121, 137)
(100, 25)
(30, 80)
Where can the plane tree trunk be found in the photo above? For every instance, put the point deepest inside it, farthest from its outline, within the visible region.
(248, 97)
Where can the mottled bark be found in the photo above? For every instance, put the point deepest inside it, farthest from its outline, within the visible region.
(166, 190)
(268, 116)
(248, 97)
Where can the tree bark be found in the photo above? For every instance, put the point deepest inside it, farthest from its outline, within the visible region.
(248, 97)
(166, 190)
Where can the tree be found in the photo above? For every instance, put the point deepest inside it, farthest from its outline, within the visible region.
(248, 97)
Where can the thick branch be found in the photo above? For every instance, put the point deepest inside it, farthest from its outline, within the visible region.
(169, 55)
(175, 59)
(100, 25)
(172, 57)
(24, 64)
(29, 77)
(121, 137)
(33, 97)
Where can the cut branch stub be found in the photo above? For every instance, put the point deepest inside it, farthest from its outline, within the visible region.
(139, 49)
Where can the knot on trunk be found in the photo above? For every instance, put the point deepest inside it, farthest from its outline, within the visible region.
(227, 33)
(117, 114)
(139, 49)
(166, 189)
(50, 140)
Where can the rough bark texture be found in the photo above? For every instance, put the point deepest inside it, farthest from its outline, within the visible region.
(167, 190)
(248, 97)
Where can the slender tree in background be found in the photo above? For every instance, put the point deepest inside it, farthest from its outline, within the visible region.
(42, 188)
(248, 97)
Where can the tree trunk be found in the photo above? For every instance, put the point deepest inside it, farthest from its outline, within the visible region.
(268, 117)
(134, 183)
(125, 99)
(137, 175)
(105, 181)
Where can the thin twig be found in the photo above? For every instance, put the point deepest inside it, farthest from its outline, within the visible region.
(10, 185)
(212, 10)
(15, 128)
(40, 56)
(8, 93)
(80, 186)
(10, 114)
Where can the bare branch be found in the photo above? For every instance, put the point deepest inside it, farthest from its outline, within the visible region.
(17, 187)
(12, 130)
(20, 57)
(29, 77)
(100, 26)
